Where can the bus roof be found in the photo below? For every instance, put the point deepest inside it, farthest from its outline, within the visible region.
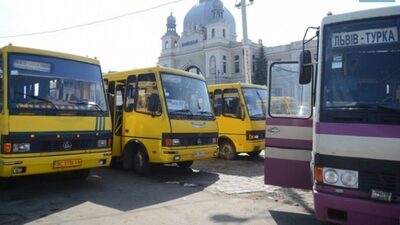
(235, 85)
(33, 51)
(364, 14)
(124, 74)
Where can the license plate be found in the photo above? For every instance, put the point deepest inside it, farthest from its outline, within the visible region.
(67, 163)
(381, 195)
(198, 154)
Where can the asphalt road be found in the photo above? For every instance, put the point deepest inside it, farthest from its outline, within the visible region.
(212, 192)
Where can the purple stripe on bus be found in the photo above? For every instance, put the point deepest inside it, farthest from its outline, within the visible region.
(287, 173)
(350, 193)
(289, 122)
(288, 143)
(357, 211)
(365, 130)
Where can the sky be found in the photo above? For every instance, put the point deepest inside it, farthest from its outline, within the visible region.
(134, 40)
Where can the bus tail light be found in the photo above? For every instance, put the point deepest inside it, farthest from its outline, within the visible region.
(7, 147)
(318, 174)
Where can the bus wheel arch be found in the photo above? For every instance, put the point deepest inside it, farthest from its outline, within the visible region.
(227, 149)
(129, 151)
(136, 157)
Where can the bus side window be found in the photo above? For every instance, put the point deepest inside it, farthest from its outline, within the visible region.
(147, 90)
(130, 93)
(231, 103)
(218, 102)
(1, 83)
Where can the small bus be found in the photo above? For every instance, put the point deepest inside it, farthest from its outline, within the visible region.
(344, 143)
(160, 116)
(53, 113)
(240, 112)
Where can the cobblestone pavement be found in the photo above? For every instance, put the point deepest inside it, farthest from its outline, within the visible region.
(213, 191)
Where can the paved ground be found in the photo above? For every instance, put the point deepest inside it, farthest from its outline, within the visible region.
(212, 192)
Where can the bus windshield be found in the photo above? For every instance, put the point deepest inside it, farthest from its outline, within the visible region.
(362, 67)
(186, 97)
(256, 101)
(49, 85)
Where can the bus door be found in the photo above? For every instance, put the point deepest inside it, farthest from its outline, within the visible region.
(116, 93)
(289, 128)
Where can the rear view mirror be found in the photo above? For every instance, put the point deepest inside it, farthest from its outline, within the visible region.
(154, 104)
(305, 67)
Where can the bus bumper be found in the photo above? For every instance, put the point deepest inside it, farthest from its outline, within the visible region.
(10, 167)
(188, 154)
(347, 210)
(252, 146)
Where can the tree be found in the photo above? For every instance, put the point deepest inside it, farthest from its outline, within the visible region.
(261, 70)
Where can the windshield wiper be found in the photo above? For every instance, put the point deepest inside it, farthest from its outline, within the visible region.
(186, 111)
(257, 115)
(40, 99)
(89, 104)
(205, 113)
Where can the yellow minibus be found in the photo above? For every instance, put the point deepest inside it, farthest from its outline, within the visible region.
(160, 116)
(240, 112)
(53, 113)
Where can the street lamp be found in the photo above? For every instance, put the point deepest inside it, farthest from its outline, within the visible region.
(245, 41)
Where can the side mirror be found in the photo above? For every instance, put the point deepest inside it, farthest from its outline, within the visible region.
(154, 104)
(240, 112)
(306, 67)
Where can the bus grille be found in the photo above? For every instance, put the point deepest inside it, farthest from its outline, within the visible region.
(53, 146)
(384, 182)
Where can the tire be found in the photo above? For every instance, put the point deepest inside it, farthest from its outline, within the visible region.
(185, 164)
(227, 150)
(141, 162)
(254, 154)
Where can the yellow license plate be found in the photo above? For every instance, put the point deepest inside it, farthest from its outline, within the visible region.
(67, 163)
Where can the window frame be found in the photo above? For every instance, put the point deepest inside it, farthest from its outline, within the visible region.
(137, 94)
(223, 103)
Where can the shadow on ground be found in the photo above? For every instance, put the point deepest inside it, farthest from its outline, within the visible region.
(242, 165)
(29, 198)
(289, 218)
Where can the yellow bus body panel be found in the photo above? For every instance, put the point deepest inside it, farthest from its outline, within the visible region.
(45, 164)
(58, 123)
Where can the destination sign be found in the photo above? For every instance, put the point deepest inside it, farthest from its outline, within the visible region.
(365, 37)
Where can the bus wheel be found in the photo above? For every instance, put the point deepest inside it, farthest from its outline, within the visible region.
(227, 150)
(185, 164)
(253, 154)
(141, 162)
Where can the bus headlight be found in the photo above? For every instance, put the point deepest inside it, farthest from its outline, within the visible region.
(339, 177)
(330, 176)
(350, 179)
(102, 143)
(21, 147)
(172, 142)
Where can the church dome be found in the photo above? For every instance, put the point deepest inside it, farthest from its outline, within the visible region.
(203, 13)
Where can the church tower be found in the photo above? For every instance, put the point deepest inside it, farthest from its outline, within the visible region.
(170, 38)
